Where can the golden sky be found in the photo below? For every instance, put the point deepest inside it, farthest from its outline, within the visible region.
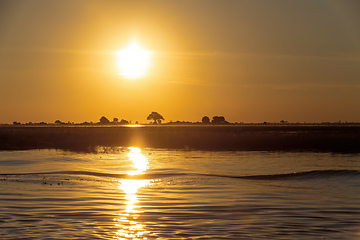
(248, 60)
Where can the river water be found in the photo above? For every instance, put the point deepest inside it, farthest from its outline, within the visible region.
(132, 193)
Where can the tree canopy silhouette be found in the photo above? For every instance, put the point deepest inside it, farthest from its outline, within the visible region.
(219, 120)
(205, 120)
(156, 117)
(104, 120)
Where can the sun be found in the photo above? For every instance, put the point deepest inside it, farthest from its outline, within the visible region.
(133, 61)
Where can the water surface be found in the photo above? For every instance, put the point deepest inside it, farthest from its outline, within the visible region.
(132, 193)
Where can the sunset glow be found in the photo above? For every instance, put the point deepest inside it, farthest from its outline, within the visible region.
(133, 61)
(124, 61)
(170, 119)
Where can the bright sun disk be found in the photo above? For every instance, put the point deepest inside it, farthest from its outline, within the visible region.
(133, 61)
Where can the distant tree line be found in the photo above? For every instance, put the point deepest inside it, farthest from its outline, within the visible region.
(104, 121)
(156, 118)
(215, 120)
(29, 123)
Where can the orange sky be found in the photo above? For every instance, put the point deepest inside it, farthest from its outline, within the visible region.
(248, 60)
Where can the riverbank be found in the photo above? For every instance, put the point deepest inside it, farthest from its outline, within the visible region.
(325, 138)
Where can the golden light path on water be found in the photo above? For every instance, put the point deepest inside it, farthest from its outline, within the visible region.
(130, 227)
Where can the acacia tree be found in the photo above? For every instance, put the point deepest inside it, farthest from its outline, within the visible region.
(156, 117)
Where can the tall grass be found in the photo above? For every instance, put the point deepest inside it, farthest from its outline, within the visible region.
(263, 138)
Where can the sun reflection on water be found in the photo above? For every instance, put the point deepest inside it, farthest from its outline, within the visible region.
(127, 221)
(130, 187)
(139, 161)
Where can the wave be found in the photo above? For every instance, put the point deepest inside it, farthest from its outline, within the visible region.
(303, 175)
(282, 176)
(99, 174)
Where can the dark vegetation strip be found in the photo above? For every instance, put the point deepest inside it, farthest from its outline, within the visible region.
(262, 138)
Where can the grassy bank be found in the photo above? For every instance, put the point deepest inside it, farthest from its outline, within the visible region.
(259, 137)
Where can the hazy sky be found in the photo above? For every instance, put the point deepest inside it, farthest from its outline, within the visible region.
(248, 60)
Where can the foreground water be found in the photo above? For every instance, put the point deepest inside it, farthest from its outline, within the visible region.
(132, 193)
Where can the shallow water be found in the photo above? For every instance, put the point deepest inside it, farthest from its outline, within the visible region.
(131, 193)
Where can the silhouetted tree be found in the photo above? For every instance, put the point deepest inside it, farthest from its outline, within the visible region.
(219, 120)
(104, 120)
(156, 117)
(123, 121)
(115, 120)
(205, 120)
(58, 122)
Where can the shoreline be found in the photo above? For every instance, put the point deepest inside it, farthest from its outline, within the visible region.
(322, 138)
